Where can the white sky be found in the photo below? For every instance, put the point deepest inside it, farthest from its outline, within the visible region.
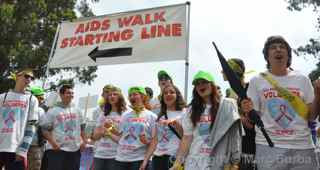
(239, 28)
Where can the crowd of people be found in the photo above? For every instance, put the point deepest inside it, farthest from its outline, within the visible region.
(164, 132)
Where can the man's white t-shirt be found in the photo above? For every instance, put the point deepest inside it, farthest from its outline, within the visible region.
(283, 124)
(15, 113)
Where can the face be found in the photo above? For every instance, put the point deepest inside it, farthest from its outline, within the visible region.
(203, 88)
(278, 55)
(164, 81)
(24, 79)
(105, 94)
(67, 96)
(113, 97)
(169, 95)
(136, 99)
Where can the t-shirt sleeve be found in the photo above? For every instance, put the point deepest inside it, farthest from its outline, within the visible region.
(308, 91)
(253, 94)
(187, 124)
(47, 120)
(1, 99)
(34, 109)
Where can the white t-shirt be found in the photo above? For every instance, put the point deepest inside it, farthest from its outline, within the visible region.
(155, 104)
(13, 119)
(106, 148)
(66, 122)
(168, 142)
(35, 138)
(199, 146)
(134, 129)
(284, 126)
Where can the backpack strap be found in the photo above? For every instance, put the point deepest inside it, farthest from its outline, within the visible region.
(172, 128)
(4, 99)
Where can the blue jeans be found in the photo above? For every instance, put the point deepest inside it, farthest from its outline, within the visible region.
(62, 160)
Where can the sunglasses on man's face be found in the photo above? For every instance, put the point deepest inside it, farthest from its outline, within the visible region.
(26, 76)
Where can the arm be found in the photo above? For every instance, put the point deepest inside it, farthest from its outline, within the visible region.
(30, 128)
(49, 137)
(150, 149)
(29, 132)
(315, 106)
(182, 151)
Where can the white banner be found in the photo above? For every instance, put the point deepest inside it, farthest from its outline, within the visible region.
(158, 34)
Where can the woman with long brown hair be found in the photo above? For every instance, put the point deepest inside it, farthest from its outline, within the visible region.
(170, 131)
(211, 129)
(106, 134)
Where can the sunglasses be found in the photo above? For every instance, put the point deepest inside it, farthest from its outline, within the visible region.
(26, 76)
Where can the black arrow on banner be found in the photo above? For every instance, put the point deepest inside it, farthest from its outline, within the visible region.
(236, 86)
(112, 52)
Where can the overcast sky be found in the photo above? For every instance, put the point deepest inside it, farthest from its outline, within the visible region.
(239, 28)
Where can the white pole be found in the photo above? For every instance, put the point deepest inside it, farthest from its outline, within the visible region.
(187, 53)
(51, 55)
(86, 106)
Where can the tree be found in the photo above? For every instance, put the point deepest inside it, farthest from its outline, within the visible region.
(27, 32)
(313, 47)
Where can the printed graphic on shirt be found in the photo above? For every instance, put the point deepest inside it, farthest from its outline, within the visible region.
(11, 112)
(136, 131)
(281, 111)
(67, 123)
(204, 130)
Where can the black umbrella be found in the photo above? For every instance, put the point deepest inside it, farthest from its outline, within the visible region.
(237, 87)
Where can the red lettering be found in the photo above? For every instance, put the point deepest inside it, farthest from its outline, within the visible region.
(98, 38)
(73, 41)
(95, 25)
(126, 34)
(89, 39)
(163, 31)
(80, 29)
(124, 21)
(159, 17)
(148, 19)
(105, 24)
(64, 43)
(114, 36)
(137, 20)
(176, 30)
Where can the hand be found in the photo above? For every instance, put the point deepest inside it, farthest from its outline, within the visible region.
(143, 165)
(176, 125)
(19, 157)
(83, 145)
(246, 122)
(100, 131)
(55, 146)
(108, 123)
(246, 105)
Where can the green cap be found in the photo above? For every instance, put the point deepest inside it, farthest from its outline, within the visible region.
(202, 75)
(163, 73)
(37, 91)
(137, 89)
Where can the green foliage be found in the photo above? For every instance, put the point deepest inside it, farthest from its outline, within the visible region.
(313, 47)
(27, 32)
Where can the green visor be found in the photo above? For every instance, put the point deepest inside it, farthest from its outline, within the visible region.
(202, 75)
(37, 91)
(137, 89)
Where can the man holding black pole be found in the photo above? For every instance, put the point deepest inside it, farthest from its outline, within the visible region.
(286, 101)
